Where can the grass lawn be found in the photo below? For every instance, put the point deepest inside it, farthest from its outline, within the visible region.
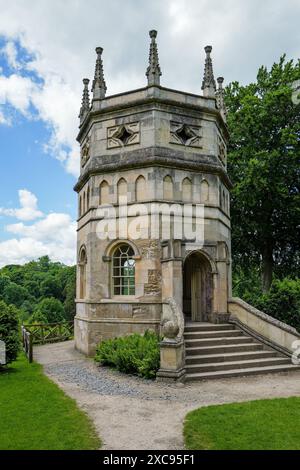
(255, 425)
(35, 414)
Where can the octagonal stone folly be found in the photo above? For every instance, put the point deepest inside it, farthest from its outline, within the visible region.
(153, 242)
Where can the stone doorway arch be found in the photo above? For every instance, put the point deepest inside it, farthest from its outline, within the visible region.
(197, 288)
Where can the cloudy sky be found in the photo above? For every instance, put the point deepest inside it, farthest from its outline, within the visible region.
(48, 46)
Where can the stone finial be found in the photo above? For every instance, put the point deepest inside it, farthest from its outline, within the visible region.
(85, 103)
(208, 84)
(153, 72)
(99, 85)
(220, 98)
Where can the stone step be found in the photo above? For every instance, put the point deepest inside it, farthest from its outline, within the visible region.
(241, 372)
(211, 334)
(236, 356)
(207, 327)
(223, 349)
(218, 341)
(242, 364)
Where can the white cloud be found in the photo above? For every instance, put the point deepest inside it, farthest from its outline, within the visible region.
(18, 91)
(54, 235)
(61, 37)
(28, 207)
(11, 53)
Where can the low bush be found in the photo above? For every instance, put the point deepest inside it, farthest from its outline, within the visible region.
(134, 354)
(281, 302)
(9, 330)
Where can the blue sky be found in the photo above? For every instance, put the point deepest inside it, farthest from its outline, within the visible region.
(47, 49)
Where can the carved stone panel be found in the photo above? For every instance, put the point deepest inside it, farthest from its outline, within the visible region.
(221, 150)
(123, 135)
(85, 152)
(153, 287)
(184, 134)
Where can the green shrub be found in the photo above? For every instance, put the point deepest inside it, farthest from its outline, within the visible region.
(134, 354)
(9, 330)
(51, 309)
(283, 301)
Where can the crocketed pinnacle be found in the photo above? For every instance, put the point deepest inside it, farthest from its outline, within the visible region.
(99, 85)
(220, 97)
(153, 72)
(208, 84)
(85, 102)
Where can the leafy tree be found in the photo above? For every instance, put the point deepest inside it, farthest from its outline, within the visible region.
(37, 318)
(70, 293)
(52, 309)
(9, 330)
(26, 286)
(263, 163)
(15, 294)
(51, 287)
(26, 310)
(4, 281)
(33, 286)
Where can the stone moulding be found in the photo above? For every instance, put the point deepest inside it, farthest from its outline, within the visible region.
(152, 156)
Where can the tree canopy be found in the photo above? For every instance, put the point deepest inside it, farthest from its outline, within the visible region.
(264, 165)
(42, 290)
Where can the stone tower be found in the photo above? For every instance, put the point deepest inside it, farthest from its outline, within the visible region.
(147, 154)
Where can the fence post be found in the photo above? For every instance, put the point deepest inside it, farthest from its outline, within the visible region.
(30, 350)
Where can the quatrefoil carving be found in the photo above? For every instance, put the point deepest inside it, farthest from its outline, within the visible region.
(123, 135)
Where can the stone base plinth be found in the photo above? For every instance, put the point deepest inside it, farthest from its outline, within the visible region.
(172, 362)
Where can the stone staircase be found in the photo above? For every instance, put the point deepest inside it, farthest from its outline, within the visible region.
(220, 351)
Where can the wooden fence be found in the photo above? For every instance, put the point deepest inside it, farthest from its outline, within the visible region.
(45, 333)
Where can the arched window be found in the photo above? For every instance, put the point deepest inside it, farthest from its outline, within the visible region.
(82, 273)
(104, 193)
(204, 191)
(83, 203)
(88, 199)
(80, 206)
(123, 266)
(187, 190)
(140, 188)
(168, 188)
(122, 189)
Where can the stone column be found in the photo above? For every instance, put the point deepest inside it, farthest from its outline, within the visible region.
(171, 263)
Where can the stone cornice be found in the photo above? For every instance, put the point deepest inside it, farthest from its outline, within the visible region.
(153, 157)
(151, 96)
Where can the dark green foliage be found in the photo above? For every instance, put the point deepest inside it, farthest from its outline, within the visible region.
(51, 287)
(50, 308)
(70, 294)
(26, 286)
(281, 302)
(263, 163)
(9, 330)
(14, 294)
(134, 354)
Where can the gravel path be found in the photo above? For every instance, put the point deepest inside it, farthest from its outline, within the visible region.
(131, 413)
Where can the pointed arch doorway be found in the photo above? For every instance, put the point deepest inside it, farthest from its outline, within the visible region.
(197, 288)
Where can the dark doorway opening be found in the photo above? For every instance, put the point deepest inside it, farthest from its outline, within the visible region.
(197, 288)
